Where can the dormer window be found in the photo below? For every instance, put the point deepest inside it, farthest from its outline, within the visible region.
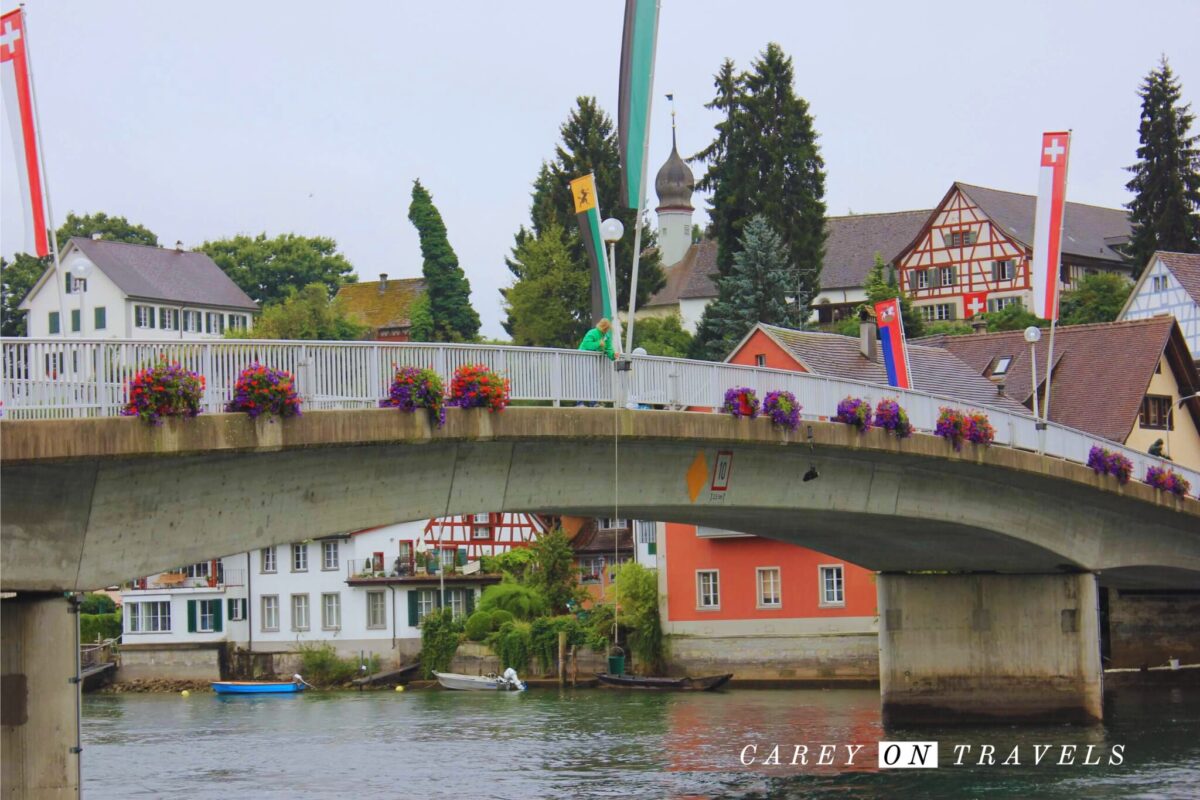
(1000, 366)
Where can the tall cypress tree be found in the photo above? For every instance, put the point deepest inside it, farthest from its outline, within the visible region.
(1165, 211)
(588, 144)
(446, 285)
(765, 160)
(755, 290)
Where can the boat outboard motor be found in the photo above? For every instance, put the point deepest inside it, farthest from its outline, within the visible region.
(514, 680)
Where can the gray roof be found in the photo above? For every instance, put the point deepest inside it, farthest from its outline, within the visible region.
(1088, 231)
(933, 369)
(854, 240)
(157, 273)
(693, 276)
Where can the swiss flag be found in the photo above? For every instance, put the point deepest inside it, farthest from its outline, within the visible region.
(18, 110)
(974, 303)
(1048, 222)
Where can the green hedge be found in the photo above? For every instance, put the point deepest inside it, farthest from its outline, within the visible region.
(106, 626)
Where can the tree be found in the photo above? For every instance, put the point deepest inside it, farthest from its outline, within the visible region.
(662, 336)
(550, 305)
(881, 285)
(1165, 211)
(755, 290)
(947, 328)
(112, 229)
(420, 326)
(1014, 317)
(588, 144)
(1099, 298)
(17, 277)
(554, 573)
(269, 270)
(446, 285)
(765, 160)
(306, 314)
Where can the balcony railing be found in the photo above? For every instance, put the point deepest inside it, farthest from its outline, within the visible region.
(178, 580)
(64, 378)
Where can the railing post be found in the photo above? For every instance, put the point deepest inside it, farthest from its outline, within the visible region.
(209, 378)
(556, 382)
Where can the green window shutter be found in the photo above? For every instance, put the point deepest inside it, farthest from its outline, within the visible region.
(470, 601)
(76, 320)
(218, 622)
(101, 318)
(191, 616)
(231, 608)
(953, 275)
(67, 282)
(652, 548)
(995, 270)
(54, 324)
(935, 276)
(412, 607)
(947, 239)
(953, 311)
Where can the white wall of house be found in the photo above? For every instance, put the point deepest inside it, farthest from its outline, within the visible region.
(690, 311)
(1161, 293)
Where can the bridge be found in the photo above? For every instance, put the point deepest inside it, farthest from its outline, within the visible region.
(989, 558)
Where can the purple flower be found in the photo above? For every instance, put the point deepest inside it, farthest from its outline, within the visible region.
(889, 415)
(741, 401)
(414, 388)
(783, 409)
(1105, 462)
(854, 411)
(1167, 480)
(263, 390)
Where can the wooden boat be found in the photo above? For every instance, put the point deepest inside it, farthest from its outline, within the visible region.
(684, 684)
(297, 684)
(508, 682)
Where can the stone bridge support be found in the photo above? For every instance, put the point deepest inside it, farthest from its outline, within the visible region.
(986, 647)
(39, 706)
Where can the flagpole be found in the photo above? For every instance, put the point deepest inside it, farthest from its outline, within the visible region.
(1057, 287)
(637, 226)
(37, 135)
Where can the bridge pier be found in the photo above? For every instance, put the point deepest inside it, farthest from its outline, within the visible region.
(39, 707)
(989, 647)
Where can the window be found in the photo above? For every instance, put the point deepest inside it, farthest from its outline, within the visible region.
(1000, 366)
(331, 611)
(300, 557)
(708, 590)
(1001, 303)
(922, 279)
(216, 322)
(481, 526)
(208, 616)
(191, 322)
(446, 556)
(456, 601)
(960, 238)
(76, 319)
(237, 322)
(169, 319)
(237, 609)
(609, 524)
(832, 592)
(770, 588)
(1156, 413)
(590, 569)
(938, 312)
(143, 316)
(1158, 283)
(266, 560)
(154, 617)
(376, 610)
(54, 323)
(760, 360)
(426, 603)
(68, 284)
(1003, 270)
(947, 276)
(270, 612)
(299, 612)
(100, 318)
(329, 555)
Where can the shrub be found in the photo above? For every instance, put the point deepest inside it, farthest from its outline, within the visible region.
(476, 386)
(413, 388)
(499, 617)
(890, 416)
(523, 602)
(97, 604)
(164, 390)
(544, 632)
(637, 595)
(514, 563)
(783, 409)
(440, 635)
(979, 429)
(479, 625)
(262, 390)
(854, 411)
(320, 665)
(741, 401)
(1105, 462)
(513, 645)
(99, 626)
(1168, 480)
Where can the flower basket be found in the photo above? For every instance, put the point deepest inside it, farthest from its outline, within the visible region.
(783, 409)
(952, 425)
(476, 386)
(979, 429)
(164, 390)
(1167, 480)
(890, 416)
(1106, 462)
(262, 390)
(854, 411)
(741, 401)
(413, 388)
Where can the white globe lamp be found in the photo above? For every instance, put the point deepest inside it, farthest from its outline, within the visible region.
(611, 230)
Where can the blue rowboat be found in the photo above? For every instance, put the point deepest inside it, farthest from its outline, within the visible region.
(258, 687)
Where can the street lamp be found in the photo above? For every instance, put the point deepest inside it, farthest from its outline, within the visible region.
(79, 268)
(611, 231)
(1033, 335)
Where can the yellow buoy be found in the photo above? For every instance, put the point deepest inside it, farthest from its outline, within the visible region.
(399, 688)
(185, 693)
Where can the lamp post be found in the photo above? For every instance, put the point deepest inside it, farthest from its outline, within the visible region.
(79, 268)
(1033, 335)
(611, 231)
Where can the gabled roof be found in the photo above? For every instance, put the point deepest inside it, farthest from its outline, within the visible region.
(590, 539)
(1088, 231)
(390, 308)
(934, 370)
(1186, 269)
(852, 242)
(157, 273)
(692, 277)
(1101, 371)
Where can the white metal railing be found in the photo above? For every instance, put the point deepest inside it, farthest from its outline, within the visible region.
(57, 378)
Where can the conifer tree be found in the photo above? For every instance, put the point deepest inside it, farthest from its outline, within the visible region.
(881, 285)
(446, 285)
(755, 290)
(1166, 209)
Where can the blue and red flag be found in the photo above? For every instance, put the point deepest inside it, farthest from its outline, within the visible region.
(895, 350)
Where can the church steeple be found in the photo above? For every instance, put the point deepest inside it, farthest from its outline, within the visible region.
(674, 185)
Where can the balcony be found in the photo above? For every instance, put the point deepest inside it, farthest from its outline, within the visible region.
(174, 581)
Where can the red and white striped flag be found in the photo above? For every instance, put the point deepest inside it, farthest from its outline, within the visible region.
(1048, 223)
(18, 111)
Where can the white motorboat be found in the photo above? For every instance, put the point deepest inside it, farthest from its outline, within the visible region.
(508, 682)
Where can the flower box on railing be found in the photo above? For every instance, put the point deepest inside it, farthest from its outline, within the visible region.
(741, 401)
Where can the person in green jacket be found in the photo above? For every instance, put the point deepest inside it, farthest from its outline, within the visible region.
(599, 339)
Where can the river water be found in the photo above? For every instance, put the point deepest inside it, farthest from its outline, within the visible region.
(609, 744)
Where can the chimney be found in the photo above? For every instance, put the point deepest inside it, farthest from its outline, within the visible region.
(382, 282)
(978, 325)
(178, 246)
(866, 339)
(97, 236)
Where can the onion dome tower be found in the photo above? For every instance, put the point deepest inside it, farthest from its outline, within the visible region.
(674, 185)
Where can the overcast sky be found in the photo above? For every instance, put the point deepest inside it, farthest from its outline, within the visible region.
(202, 120)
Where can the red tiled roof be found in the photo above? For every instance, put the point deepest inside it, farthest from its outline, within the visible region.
(1186, 269)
